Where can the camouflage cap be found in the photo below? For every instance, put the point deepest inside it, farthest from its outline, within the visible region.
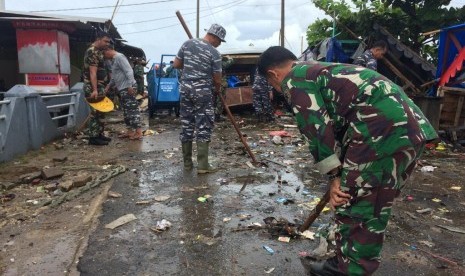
(218, 31)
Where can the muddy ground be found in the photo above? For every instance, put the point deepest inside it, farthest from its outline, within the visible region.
(71, 239)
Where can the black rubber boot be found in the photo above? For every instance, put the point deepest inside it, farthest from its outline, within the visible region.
(218, 118)
(97, 141)
(202, 159)
(321, 268)
(104, 138)
(187, 155)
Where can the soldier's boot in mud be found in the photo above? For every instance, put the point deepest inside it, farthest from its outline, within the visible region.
(187, 155)
(97, 141)
(104, 138)
(218, 118)
(327, 267)
(202, 159)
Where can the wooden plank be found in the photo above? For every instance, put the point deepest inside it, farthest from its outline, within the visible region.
(453, 89)
(456, 41)
(400, 75)
(458, 111)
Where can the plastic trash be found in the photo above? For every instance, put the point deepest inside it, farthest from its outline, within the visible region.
(428, 169)
(267, 248)
(277, 140)
(162, 225)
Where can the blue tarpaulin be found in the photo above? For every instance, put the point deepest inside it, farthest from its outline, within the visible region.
(447, 48)
(335, 52)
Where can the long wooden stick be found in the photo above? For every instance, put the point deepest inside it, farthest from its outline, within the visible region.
(184, 25)
(315, 212)
(231, 118)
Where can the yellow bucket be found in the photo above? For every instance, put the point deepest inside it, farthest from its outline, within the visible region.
(102, 104)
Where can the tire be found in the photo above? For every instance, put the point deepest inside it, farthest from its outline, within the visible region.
(176, 110)
(151, 108)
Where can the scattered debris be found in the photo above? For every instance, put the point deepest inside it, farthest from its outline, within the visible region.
(279, 133)
(226, 220)
(52, 172)
(428, 169)
(456, 188)
(436, 200)
(452, 229)
(66, 185)
(321, 250)
(60, 157)
(269, 270)
(250, 165)
(81, 180)
(8, 185)
(51, 187)
(411, 215)
(204, 198)
(277, 140)
(29, 177)
(285, 201)
(7, 197)
(114, 194)
(149, 132)
(413, 247)
(222, 181)
(284, 239)
(161, 226)
(268, 249)
(426, 210)
(143, 202)
(162, 198)
(206, 240)
(427, 243)
(308, 235)
(120, 221)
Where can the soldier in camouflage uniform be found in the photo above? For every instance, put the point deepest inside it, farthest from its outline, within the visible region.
(217, 104)
(262, 96)
(94, 77)
(139, 75)
(370, 57)
(123, 80)
(201, 64)
(366, 134)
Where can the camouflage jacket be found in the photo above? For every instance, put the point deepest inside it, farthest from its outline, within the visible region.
(94, 57)
(139, 72)
(367, 60)
(352, 115)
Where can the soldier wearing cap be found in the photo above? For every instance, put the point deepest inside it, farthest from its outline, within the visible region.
(94, 77)
(201, 65)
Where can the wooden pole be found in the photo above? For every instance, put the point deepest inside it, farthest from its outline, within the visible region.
(282, 23)
(315, 212)
(198, 19)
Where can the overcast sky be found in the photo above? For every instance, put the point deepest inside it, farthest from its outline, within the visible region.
(249, 23)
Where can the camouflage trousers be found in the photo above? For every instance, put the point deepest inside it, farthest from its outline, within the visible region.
(130, 109)
(140, 86)
(94, 124)
(196, 111)
(217, 104)
(362, 222)
(262, 103)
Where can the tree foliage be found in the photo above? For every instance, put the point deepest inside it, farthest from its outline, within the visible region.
(405, 19)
